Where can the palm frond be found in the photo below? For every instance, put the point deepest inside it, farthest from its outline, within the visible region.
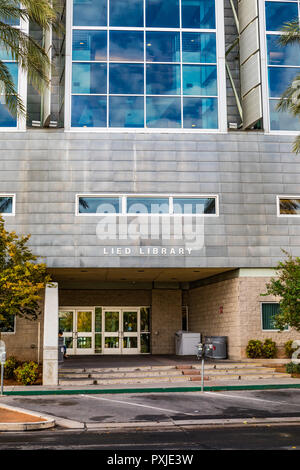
(7, 88)
(296, 145)
(290, 99)
(291, 33)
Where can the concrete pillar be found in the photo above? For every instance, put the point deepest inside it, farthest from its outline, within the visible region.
(50, 350)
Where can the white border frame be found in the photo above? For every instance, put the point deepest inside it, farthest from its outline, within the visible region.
(13, 213)
(261, 319)
(278, 205)
(221, 79)
(123, 198)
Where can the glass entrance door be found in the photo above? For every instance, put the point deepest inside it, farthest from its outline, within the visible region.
(121, 331)
(78, 330)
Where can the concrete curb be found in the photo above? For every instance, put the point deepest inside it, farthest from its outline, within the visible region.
(26, 426)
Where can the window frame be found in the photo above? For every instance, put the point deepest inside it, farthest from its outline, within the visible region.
(13, 213)
(10, 332)
(278, 198)
(261, 318)
(124, 197)
(221, 76)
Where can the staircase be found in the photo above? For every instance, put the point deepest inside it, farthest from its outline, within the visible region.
(166, 374)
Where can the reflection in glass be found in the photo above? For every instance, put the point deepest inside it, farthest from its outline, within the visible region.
(199, 47)
(68, 341)
(6, 205)
(98, 343)
(126, 46)
(145, 343)
(282, 120)
(112, 342)
(89, 45)
(289, 206)
(84, 322)
(126, 79)
(163, 46)
(112, 321)
(126, 13)
(147, 205)
(163, 79)
(5, 54)
(145, 319)
(126, 111)
(99, 205)
(200, 80)
(98, 319)
(84, 342)
(201, 113)
(194, 206)
(89, 12)
(198, 14)
(6, 119)
(130, 322)
(65, 322)
(280, 78)
(88, 111)
(163, 112)
(130, 342)
(89, 78)
(282, 55)
(278, 13)
(162, 13)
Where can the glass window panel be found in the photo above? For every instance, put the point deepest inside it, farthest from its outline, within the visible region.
(89, 111)
(98, 319)
(199, 47)
(89, 45)
(269, 312)
(89, 78)
(198, 14)
(100, 205)
(163, 112)
(145, 319)
(112, 342)
(163, 46)
(126, 79)
(84, 322)
(145, 343)
(278, 13)
(147, 205)
(84, 342)
(162, 13)
(130, 322)
(126, 46)
(200, 80)
(282, 55)
(126, 13)
(6, 119)
(8, 325)
(280, 79)
(194, 206)
(163, 79)
(5, 54)
(130, 342)
(112, 322)
(89, 12)
(282, 120)
(65, 322)
(68, 341)
(126, 111)
(200, 113)
(290, 206)
(6, 205)
(13, 69)
(98, 343)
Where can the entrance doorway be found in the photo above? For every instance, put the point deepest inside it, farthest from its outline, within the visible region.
(106, 330)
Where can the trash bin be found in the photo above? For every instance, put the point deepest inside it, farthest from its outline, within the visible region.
(60, 349)
(219, 343)
(186, 343)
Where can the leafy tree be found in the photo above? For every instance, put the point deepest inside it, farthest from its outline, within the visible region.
(23, 48)
(286, 286)
(22, 279)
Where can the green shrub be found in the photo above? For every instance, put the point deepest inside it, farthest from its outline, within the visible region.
(288, 348)
(292, 368)
(254, 349)
(27, 373)
(269, 349)
(9, 367)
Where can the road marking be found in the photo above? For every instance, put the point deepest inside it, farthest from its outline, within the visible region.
(251, 398)
(137, 404)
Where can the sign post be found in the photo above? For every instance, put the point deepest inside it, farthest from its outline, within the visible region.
(2, 361)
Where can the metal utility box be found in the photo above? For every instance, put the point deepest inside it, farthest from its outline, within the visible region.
(219, 343)
(186, 343)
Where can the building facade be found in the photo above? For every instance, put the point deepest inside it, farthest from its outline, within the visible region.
(157, 179)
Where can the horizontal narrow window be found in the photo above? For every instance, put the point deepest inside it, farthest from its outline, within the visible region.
(289, 206)
(6, 203)
(194, 206)
(99, 205)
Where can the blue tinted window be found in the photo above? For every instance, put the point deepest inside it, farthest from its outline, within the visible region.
(126, 45)
(13, 70)
(163, 112)
(194, 206)
(147, 205)
(126, 111)
(162, 13)
(90, 12)
(89, 45)
(6, 119)
(282, 55)
(280, 78)
(6, 205)
(126, 13)
(4, 53)
(198, 14)
(126, 79)
(163, 79)
(163, 46)
(89, 78)
(200, 80)
(278, 13)
(199, 47)
(88, 111)
(200, 113)
(100, 205)
(282, 121)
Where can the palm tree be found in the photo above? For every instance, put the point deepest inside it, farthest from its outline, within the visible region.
(290, 99)
(23, 48)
